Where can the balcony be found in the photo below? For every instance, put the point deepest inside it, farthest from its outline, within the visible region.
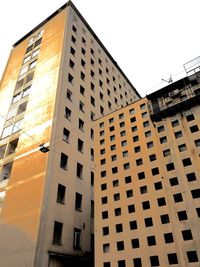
(174, 98)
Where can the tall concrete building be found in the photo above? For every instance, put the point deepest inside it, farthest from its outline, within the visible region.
(59, 78)
(147, 191)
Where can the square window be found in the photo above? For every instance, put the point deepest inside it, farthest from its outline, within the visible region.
(131, 208)
(143, 189)
(133, 225)
(194, 129)
(119, 228)
(122, 124)
(105, 230)
(152, 157)
(135, 243)
(175, 123)
(118, 212)
(124, 143)
(172, 258)
(133, 119)
(158, 185)
(129, 193)
(106, 264)
(104, 200)
(114, 170)
(178, 134)
(141, 175)
(146, 205)
(187, 162)
(168, 238)
(161, 201)
(195, 193)
(128, 179)
(187, 235)
(173, 181)
(126, 166)
(182, 215)
(192, 256)
(113, 147)
(182, 147)
(139, 162)
(104, 214)
(164, 218)
(190, 117)
(116, 197)
(143, 106)
(121, 263)
(112, 137)
(134, 128)
(148, 222)
(121, 116)
(147, 134)
(120, 245)
(166, 152)
(155, 171)
(114, 157)
(160, 129)
(145, 124)
(103, 173)
(112, 128)
(132, 111)
(122, 133)
(115, 183)
(144, 114)
(150, 144)
(163, 139)
(170, 167)
(137, 262)
(106, 248)
(191, 177)
(137, 149)
(178, 197)
(135, 138)
(103, 187)
(154, 261)
(125, 154)
(103, 161)
(151, 240)
(197, 142)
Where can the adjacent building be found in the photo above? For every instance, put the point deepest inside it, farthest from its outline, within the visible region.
(58, 80)
(147, 186)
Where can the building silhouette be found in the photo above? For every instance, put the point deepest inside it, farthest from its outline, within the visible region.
(58, 80)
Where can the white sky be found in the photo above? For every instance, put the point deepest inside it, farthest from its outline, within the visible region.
(149, 39)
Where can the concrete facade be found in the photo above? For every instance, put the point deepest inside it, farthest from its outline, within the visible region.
(59, 78)
(147, 187)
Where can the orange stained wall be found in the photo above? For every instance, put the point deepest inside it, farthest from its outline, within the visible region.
(22, 206)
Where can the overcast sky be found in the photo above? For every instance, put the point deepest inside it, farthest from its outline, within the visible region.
(149, 39)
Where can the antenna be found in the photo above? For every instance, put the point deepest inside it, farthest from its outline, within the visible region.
(169, 80)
